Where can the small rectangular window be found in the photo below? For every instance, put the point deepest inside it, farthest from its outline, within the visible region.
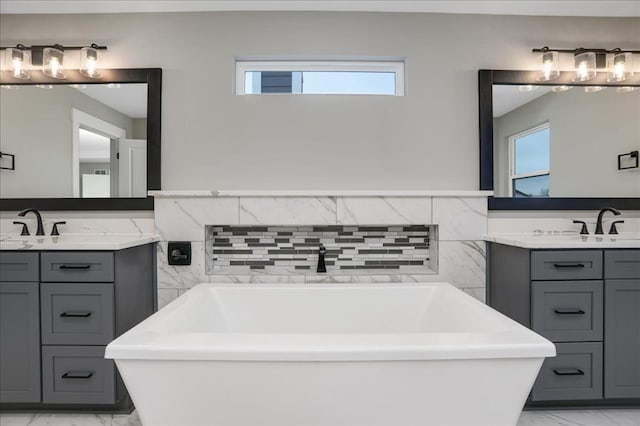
(530, 162)
(320, 78)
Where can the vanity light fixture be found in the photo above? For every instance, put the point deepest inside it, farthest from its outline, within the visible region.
(89, 62)
(587, 63)
(562, 88)
(52, 59)
(53, 62)
(626, 89)
(17, 62)
(550, 65)
(619, 66)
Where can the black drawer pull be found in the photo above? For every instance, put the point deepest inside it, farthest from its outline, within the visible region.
(568, 372)
(569, 311)
(74, 267)
(568, 265)
(77, 374)
(75, 314)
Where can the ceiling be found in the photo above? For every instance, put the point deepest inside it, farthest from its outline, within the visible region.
(130, 99)
(507, 98)
(93, 147)
(625, 8)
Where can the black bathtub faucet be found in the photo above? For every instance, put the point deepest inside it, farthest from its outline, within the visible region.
(321, 253)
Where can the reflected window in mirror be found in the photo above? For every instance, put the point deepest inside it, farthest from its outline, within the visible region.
(529, 157)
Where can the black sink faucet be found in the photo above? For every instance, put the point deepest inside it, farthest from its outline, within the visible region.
(321, 252)
(40, 230)
(599, 230)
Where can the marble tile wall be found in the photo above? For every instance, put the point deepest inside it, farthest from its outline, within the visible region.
(461, 220)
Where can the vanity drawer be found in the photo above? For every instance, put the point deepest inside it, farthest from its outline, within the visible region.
(622, 264)
(77, 375)
(567, 311)
(575, 373)
(79, 266)
(77, 314)
(566, 265)
(19, 266)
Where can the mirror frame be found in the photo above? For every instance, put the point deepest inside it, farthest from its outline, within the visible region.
(486, 80)
(153, 78)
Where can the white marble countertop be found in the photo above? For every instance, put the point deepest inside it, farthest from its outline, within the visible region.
(317, 193)
(75, 241)
(569, 241)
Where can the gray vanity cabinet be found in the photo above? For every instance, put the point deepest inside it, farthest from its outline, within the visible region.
(622, 324)
(19, 327)
(19, 342)
(587, 302)
(58, 313)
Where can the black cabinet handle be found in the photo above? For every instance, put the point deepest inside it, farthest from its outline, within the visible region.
(74, 267)
(75, 314)
(569, 311)
(568, 372)
(568, 265)
(77, 374)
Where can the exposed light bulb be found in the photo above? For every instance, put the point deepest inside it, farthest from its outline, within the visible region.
(562, 88)
(17, 67)
(582, 70)
(54, 65)
(546, 69)
(618, 70)
(91, 67)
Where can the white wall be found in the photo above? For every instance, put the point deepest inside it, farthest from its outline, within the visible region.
(36, 126)
(588, 132)
(213, 139)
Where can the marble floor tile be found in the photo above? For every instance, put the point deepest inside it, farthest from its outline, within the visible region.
(46, 419)
(613, 417)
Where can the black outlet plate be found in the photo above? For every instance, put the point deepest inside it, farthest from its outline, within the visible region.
(179, 252)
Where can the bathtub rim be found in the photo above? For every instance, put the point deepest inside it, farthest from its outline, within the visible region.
(143, 342)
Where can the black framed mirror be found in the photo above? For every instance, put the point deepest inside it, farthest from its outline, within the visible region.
(90, 178)
(517, 189)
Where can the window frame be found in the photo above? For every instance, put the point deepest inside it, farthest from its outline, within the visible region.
(395, 66)
(512, 155)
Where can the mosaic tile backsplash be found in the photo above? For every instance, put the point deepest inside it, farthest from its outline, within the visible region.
(396, 249)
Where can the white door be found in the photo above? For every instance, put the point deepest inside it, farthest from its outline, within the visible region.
(132, 170)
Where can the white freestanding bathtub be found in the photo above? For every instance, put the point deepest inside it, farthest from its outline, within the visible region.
(377, 354)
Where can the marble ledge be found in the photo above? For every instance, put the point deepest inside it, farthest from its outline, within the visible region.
(76, 241)
(566, 241)
(317, 193)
